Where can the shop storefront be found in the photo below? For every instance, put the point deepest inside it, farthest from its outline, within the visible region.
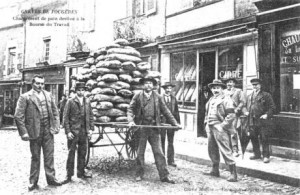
(228, 52)
(9, 94)
(279, 59)
(54, 79)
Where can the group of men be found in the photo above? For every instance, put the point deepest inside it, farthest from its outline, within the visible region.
(37, 119)
(223, 125)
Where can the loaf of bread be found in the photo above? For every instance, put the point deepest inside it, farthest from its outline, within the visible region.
(190, 92)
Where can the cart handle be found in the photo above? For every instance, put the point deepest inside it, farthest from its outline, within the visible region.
(163, 126)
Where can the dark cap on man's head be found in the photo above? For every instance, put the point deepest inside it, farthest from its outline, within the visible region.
(143, 80)
(217, 82)
(80, 85)
(255, 81)
(168, 84)
(230, 79)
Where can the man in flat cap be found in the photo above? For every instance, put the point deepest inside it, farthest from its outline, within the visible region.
(172, 104)
(239, 101)
(260, 106)
(218, 122)
(79, 124)
(146, 108)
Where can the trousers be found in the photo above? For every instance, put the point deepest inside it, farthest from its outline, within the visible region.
(46, 142)
(259, 133)
(153, 136)
(170, 151)
(79, 141)
(219, 141)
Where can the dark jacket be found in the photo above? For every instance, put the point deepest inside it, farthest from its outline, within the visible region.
(71, 118)
(264, 104)
(134, 112)
(61, 105)
(174, 109)
(28, 116)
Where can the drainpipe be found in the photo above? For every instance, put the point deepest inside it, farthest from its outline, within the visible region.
(165, 18)
(24, 54)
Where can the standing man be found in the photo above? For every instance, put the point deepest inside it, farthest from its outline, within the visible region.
(146, 108)
(61, 107)
(260, 106)
(37, 120)
(239, 101)
(79, 124)
(218, 122)
(172, 104)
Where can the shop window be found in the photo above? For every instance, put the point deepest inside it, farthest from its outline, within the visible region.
(184, 74)
(290, 71)
(9, 104)
(231, 64)
(46, 49)
(11, 60)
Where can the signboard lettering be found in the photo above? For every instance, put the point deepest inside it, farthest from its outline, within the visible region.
(290, 49)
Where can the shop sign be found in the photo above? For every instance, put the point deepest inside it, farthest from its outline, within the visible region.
(225, 74)
(290, 49)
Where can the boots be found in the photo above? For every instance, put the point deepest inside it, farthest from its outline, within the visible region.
(214, 171)
(233, 174)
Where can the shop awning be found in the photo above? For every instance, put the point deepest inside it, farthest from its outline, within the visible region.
(279, 14)
(203, 42)
(2, 84)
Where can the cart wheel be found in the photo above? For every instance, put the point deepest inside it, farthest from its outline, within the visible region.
(87, 157)
(132, 143)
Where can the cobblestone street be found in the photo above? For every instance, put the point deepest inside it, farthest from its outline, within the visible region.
(108, 178)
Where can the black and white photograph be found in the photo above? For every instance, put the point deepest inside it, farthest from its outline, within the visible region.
(149, 97)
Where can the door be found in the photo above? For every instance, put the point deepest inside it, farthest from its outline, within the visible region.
(207, 62)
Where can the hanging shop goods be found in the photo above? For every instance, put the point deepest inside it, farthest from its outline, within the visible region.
(112, 76)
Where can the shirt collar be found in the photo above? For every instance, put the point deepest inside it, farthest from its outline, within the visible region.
(148, 95)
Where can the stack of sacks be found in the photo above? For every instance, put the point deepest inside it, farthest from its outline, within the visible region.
(112, 75)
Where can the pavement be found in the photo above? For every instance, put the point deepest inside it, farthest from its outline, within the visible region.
(280, 170)
(189, 148)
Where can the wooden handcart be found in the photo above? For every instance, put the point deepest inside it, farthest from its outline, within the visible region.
(128, 134)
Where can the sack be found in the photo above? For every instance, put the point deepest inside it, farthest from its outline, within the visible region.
(103, 119)
(125, 77)
(109, 78)
(125, 93)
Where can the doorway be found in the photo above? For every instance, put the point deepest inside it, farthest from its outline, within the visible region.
(207, 64)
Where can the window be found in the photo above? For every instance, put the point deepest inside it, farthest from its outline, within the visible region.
(290, 71)
(46, 49)
(231, 64)
(11, 60)
(147, 7)
(183, 73)
(150, 6)
(8, 103)
(174, 6)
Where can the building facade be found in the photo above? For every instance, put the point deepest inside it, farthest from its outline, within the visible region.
(50, 38)
(192, 45)
(279, 59)
(11, 61)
